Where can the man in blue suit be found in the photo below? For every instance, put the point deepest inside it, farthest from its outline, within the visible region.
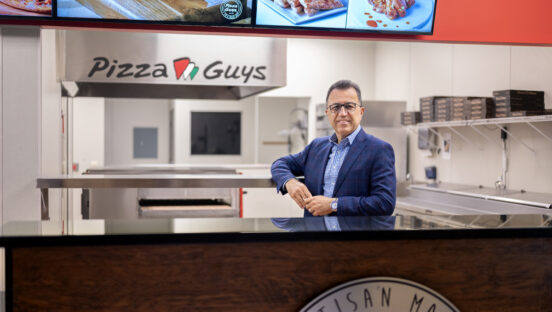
(350, 173)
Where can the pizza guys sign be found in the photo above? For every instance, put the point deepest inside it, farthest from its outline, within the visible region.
(183, 68)
(174, 59)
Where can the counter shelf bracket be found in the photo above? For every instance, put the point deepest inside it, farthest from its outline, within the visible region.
(438, 135)
(473, 222)
(546, 221)
(515, 138)
(44, 209)
(505, 222)
(486, 136)
(539, 131)
(464, 138)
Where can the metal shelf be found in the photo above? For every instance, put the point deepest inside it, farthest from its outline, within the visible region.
(481, 122)
(499, 122)
(149, 181)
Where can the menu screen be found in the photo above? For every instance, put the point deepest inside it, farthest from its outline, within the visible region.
(34, 8)
(405, 16)
(205, 12)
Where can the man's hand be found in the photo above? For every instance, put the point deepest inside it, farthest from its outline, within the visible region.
(298, 191)
(319, 205)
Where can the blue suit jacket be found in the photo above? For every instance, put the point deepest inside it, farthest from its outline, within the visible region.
(366, 183)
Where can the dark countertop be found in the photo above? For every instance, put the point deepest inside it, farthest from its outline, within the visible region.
(161, 231)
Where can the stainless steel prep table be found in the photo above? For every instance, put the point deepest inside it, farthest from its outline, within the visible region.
(457, 199)
(149, 181)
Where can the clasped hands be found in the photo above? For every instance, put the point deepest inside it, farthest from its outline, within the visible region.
(316, 205)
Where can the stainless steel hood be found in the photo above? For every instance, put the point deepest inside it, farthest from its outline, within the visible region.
(171, 66)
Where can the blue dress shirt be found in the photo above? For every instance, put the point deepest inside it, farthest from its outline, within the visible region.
(335, 161)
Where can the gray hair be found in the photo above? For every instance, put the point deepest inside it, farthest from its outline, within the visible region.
(344, 85)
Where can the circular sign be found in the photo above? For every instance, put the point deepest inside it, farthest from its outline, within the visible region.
(380, 294)
(231, 9)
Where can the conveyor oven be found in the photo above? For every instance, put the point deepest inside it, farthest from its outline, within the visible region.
(136, 203)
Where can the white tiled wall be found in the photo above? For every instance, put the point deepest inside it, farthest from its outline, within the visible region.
(531, 68)
(479, 69)
(430, 71)
(462, 70)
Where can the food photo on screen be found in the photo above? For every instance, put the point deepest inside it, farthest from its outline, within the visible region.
(38, 8)
(391, 15)
(215, 12)
(302, 13)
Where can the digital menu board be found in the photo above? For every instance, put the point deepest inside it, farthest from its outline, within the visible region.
(203, 12)
(402, 16)
(31, 8)
(375, 16)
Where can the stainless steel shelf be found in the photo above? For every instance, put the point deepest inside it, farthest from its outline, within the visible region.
(481, 122)
(149, 181)
(499, 122)
(156, 181)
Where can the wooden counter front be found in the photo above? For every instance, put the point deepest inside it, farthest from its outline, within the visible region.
(477, 270)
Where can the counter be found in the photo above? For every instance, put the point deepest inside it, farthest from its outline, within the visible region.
(278, 265)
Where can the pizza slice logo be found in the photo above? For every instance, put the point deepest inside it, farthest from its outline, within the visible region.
(184, 67)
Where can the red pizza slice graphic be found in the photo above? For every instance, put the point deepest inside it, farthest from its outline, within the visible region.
(180, 66)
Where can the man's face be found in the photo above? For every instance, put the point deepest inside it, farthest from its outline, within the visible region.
(344, 121)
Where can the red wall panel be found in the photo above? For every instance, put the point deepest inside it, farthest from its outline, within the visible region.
(493, 21)
(523, 22)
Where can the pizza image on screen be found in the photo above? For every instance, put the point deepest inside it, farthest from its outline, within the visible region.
(20, 7)
(189, 11)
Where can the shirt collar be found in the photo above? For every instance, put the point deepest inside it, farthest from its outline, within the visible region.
(349, 139)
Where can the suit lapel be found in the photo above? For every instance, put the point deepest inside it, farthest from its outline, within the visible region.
(354, 152)
(321, 159)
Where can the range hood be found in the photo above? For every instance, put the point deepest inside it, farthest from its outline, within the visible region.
(170, 66)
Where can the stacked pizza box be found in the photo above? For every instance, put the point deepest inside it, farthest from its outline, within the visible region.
(517, 103)
(443, 109)
(427, 108)
(410, 118)
(481, 108)
(460, 108)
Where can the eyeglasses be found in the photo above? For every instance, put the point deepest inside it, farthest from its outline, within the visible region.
(349, 107)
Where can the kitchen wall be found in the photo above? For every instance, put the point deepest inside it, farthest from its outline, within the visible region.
(51, 129)
(20, 99)
(122, 116)
(314, 64)
(275, 117)
(88, 133)
(88, 142)
(408, 71)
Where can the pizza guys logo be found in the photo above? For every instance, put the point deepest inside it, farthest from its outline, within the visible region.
(183, 68)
